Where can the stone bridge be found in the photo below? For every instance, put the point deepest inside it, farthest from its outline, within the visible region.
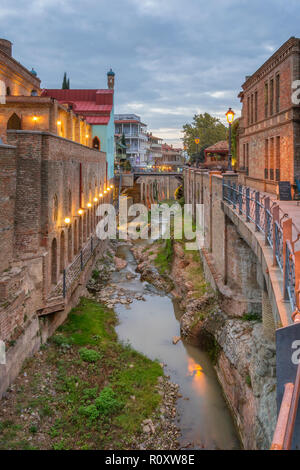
(250, 259)
(149, 187)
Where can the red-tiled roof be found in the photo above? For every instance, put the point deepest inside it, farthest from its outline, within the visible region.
(221, 146)
(100, 120)
(91, 106)
(95, 105)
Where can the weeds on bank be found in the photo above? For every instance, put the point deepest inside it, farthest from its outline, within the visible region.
(98, 390)
(164, 257)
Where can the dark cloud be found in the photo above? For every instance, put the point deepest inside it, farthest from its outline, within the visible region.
(172, 58)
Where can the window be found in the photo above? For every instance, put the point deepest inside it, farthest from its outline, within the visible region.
(34, 93)
(266, 99)
(251, 116)
(255, 107)
(247, 158)
(277, 173)
(271, 97)
(266, 159)
(248, 109)
(7, 91)
(272, 158)
(277, 93)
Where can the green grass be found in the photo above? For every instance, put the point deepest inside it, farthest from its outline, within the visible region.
(164, 257)
(96, 405)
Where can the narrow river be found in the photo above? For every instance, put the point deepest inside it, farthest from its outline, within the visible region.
(149, 326)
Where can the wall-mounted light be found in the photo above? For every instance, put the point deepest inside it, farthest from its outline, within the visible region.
(105, 191)
(80, 211)
(67, 220)
(87, 136)
(89, 204)
(35, 118)
(58, 123)
(111, 186)
(100, 195)
(95, 199)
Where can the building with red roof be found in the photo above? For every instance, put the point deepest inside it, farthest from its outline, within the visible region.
(97, 107)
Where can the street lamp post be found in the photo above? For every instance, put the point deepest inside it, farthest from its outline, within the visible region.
(197, 142)
(230, 117)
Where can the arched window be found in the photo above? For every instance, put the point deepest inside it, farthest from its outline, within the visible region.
(7, 91)
(55, 208)
(34, 93)
(96, 143)
(14, 122)
(62, 252)
(54, 261)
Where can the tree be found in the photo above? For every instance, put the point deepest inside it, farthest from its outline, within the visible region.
(206, 128)
(234, 133)
(123, 140)
(66, 82)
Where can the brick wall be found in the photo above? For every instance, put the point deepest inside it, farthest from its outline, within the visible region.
(269, 134)
(7, 203)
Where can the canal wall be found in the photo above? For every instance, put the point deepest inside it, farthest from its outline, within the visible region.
(248, 311)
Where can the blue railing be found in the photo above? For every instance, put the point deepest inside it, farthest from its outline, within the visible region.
(290, 291)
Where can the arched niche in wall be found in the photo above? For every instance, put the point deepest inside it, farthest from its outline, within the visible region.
(96, 143)
(14, 122)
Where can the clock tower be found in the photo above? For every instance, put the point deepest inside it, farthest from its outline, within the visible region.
(110, 79)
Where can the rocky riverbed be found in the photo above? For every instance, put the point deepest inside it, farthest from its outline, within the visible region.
(244, 359)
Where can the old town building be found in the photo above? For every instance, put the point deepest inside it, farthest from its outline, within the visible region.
(269, 134)
(171, 157)
(51, 182)
(97, 107)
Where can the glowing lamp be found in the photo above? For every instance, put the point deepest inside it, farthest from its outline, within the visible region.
(230, 116)
(86, 135)
(111, 186)
(67, 220)
(58, 123)
(89, 204)
(80, 211)
(95, 199)
(105, 191)
(108, 189)
(34, 118)
(100, 195)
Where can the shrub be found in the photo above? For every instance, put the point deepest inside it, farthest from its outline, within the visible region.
(89, 355)
(108, 403)
(89, 411)
(95, 274)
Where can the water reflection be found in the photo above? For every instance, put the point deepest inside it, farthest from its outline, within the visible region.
(149, 326)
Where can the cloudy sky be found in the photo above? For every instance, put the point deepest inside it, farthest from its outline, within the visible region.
(172, 58)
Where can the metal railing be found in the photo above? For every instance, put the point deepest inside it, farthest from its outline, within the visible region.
(73, 271)
(278, 231)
